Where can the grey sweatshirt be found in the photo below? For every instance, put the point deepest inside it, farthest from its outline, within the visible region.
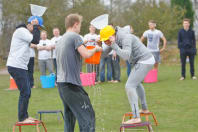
(132, 49)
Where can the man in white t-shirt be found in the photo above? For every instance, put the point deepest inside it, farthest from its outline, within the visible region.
(153, 40)
(44, 54)
(54, 41)
(90, 40)
(91, 37)
(24, 37)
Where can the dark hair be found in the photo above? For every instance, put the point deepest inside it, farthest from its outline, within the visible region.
(186, 20)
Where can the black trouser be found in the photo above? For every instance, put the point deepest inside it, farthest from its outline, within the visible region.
(76, 106)
(21, 78)
(31, 71)
(183, 57)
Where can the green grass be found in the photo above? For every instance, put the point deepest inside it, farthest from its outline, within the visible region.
(173, 102)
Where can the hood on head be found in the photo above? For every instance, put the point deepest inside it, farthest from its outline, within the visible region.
(121, 32)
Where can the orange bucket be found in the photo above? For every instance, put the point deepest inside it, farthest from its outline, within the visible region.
(95, 59)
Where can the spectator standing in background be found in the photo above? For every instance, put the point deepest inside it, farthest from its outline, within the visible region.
(44, 54)
(153, 40)
(90, 40)
(187, 47)
(54, 41)
(115, 64)
(105, 61)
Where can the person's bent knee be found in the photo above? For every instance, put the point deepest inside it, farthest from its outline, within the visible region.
(25, 94)
(130, 86)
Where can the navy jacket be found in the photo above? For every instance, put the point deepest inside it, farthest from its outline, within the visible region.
(187, 41)
(35, 33)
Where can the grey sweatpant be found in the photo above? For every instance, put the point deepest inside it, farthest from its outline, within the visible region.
(45, 64)
(135, 89)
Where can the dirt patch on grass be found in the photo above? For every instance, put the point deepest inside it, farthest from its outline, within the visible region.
(171, 55)
(4, 71)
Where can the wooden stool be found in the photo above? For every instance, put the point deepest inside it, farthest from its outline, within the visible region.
(142, 124)
(35, 123)
(129, 114)
(50, 112)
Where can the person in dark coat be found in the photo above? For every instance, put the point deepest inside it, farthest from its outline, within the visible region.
(187, 47)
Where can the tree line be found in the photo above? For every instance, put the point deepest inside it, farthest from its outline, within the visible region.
(122, 12)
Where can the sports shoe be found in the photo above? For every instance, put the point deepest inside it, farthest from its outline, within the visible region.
(194, 78)
(182, 78)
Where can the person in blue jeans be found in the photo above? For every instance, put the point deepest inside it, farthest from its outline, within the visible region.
(115, 64)
(106, 60)
(103, 61)
(128, 68)
(23, 37)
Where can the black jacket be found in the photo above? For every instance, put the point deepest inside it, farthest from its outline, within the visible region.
(35, 33)
(187, 41)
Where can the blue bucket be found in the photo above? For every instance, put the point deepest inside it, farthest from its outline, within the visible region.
(48, 81)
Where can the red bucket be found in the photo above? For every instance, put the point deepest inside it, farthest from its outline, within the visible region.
(151, 77)
(88, 79)
(95, 59)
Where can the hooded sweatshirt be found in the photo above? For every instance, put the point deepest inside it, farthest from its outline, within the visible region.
(132, 49)
(19, 54)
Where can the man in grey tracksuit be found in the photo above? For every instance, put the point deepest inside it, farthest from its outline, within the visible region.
(142, 60)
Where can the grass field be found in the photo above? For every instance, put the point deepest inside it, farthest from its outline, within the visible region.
(174, 103)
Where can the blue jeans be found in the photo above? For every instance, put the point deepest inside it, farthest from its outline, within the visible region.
(103, 61)
(76, 106)
(116, 68)
(128, 68)
(21, 78)
(31, 71)
(55, 67)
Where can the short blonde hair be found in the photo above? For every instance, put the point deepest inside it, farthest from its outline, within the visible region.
(151, 21)
(71, 19)
(55, 28)
(43, 31)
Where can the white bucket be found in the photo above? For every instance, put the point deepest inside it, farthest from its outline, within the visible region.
(100, 22)
(37, 10)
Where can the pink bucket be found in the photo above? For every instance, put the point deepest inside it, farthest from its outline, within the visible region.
(151, 77)
(88, 79)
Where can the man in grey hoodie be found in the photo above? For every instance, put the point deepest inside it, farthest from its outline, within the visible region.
(138, 55)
